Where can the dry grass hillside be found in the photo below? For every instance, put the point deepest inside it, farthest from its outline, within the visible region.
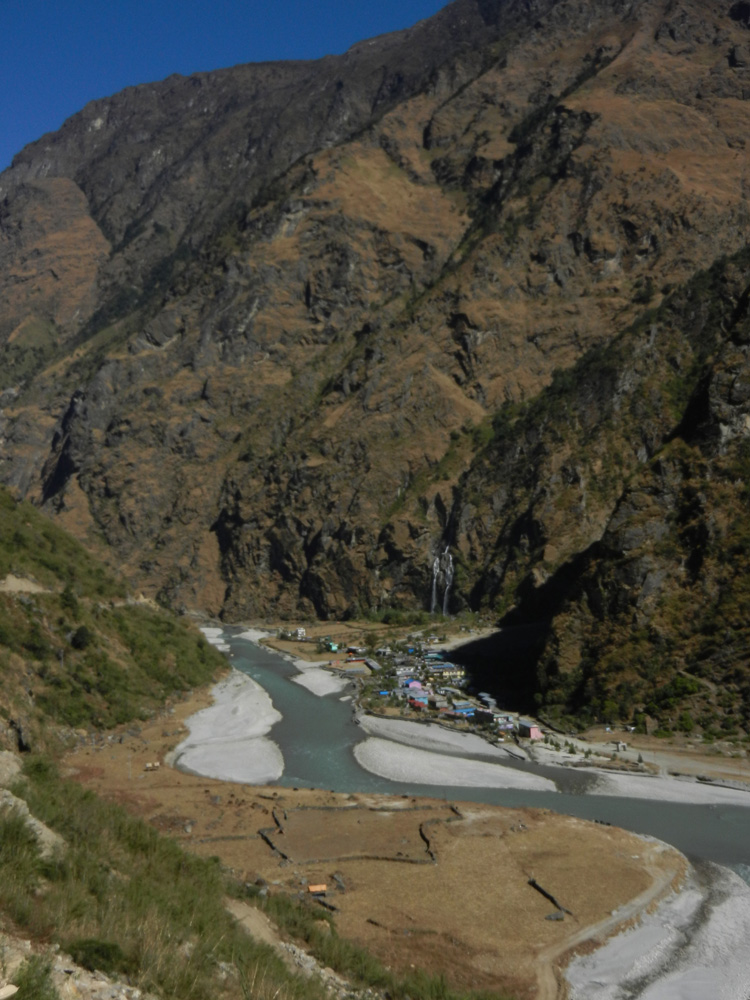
(290, 387)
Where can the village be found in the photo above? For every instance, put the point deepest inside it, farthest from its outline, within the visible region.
(416, 676)
(409, 675)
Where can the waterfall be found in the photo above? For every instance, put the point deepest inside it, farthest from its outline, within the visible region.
(435, 571)
(448, 576)
(442, 574)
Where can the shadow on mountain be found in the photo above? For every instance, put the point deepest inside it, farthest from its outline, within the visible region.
(504, 663)
(507, 664)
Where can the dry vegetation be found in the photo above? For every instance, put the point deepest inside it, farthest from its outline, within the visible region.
(422, 884)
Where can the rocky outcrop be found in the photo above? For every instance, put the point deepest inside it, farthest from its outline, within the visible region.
(65, 976)
(48, 842)
(443, 290)
(10, 768)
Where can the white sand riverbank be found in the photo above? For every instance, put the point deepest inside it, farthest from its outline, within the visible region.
(430, 736)
(317, 680)
(251, 634)
(667, 789)
(212, 632)
(228, 739)
(694, 946)
(311, 675)
(398, 762)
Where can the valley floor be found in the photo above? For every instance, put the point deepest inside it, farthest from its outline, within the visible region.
(419, 882)
(437, 886)
(229, 741)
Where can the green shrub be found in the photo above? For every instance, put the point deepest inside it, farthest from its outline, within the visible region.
(69, 601)
(97, 955)
(81, 638)
(685, 723)
(34, 979)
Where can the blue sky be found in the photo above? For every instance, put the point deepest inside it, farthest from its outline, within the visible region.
(59, 55)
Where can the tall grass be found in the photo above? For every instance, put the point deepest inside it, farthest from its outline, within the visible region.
(20, 867)
(128, 901)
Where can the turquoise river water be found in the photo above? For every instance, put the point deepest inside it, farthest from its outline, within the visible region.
(317, 737)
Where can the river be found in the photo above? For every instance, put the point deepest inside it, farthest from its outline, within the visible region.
(317, 736)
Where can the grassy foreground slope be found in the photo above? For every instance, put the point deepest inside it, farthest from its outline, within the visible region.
(74, 651)
(122, 899)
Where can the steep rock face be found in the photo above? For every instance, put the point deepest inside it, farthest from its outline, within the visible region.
(160, 162)
(653, 610)
(50, 254)
(169, 171)
(333, 317)
(477, 318)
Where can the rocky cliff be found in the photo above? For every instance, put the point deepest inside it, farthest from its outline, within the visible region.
(278, 336)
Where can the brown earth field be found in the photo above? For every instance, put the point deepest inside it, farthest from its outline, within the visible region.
(421, 883)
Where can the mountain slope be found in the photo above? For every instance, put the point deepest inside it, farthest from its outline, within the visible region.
(333, 318)
(648, 438)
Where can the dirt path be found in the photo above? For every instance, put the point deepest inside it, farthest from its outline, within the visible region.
(297, 959)
(255, 923)
(21, 585)
(551, 982)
